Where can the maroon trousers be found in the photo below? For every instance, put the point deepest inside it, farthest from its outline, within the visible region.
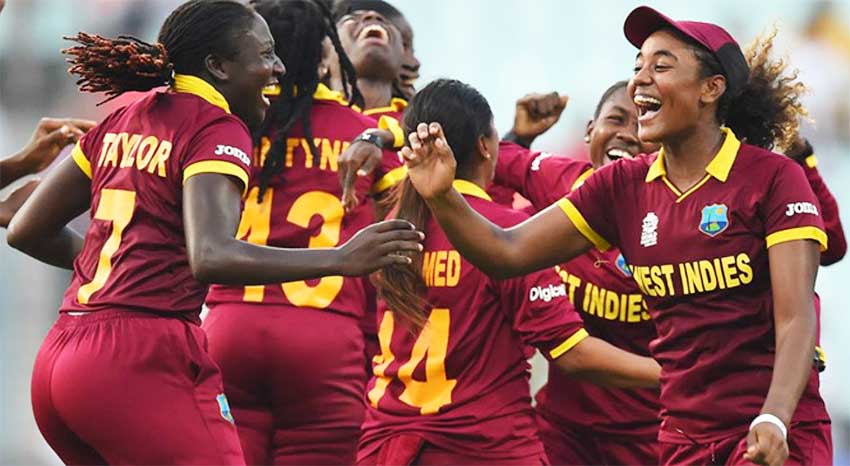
(120, 387)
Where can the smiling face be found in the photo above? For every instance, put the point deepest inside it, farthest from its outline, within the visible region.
(372, 43)
(668, 90)
(613, 132)
(254, 67)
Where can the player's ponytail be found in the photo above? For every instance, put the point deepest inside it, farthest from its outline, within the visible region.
(465, 116)
(193, 31)
(766, 112)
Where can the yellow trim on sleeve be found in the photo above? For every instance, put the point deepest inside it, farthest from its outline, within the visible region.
(217, 166)
(392, 178)
(392, 125)
(580, 180)
(799, 233)
(82, 161)
(569, 343)
(811, 161)
(582, 226)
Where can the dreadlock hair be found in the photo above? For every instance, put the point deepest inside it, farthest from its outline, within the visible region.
(767, 111)
(465, 117)
(193, 31)
(607, 95)
(299, 27)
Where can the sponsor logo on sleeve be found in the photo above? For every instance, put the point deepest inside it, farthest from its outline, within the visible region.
(714, 219)
(224, 408)
(535, 164)
(547, 293)
(222, 149)
(795, 208)
(649, 230)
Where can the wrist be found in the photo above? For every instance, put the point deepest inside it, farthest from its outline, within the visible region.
(522, 140)
(372, 137)
(770, 419)
(803, 152)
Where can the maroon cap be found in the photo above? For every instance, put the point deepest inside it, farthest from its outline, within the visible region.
(643, 21)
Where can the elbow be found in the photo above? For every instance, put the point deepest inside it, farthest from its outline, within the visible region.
(205, 261)
(19, 238)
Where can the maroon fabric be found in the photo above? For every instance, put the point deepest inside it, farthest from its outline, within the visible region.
(408, 449)
(119, 387)
(808, 444)
(715, 338)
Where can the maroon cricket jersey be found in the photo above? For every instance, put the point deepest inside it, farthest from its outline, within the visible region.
(829, 213)
(700, 258)
(138, 158)
(600, 286)
(302, 208)
(462, 383)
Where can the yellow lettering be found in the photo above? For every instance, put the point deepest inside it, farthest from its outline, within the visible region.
(308, 155)
(330, 154)
(718, 272)
(262, 151)
(655, 274)
(112, 153)
(729, 271)
(440, 269)
(428, 265)
(635, 301)
(682, 276)
(667, 271)
(254, 227)
(745, 271)
(128, 148)
(586, 301)
(159, 159)
(453, 269)
(291, 144)
(612, 305)
(597, 301)
(145, 152)
(694, 282)
(574, 282)
(706, 271)
(108, 141)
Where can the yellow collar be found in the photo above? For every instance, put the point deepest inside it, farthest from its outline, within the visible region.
(197, 86)
(719, 167)
(470, 189)
(396, 105)
(322, 93)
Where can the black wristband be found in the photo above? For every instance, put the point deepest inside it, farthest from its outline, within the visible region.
(807, 151)
(371, 138)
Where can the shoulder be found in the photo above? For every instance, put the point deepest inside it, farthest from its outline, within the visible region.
(342, 114)
(497, 213)
(757, 163)
(627, 170)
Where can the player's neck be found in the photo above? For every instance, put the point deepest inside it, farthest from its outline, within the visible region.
(687, 155)
(376, 92)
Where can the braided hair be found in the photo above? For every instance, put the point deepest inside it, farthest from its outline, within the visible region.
(299, 27)
(193, 31)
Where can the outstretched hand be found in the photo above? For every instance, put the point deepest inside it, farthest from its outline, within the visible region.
(380, 245)
(430, 161)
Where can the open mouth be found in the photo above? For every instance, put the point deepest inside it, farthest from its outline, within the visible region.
(615, 153)
(272, 88)
(647, 105)
(374, 32)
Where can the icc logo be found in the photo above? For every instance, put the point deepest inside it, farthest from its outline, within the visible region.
(715, 219)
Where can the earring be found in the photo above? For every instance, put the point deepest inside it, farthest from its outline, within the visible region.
(323, 71)
(587, 139)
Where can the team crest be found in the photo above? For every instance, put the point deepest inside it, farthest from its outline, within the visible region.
(623, 266)
(224, 408)
(715, 219)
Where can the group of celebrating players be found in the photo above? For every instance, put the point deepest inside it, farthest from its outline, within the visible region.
(683, 255)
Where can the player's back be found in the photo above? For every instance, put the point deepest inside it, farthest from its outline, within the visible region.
(134, 255)
(302, 206)
(462, 381)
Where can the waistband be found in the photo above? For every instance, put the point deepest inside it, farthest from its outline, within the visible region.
(77, 319)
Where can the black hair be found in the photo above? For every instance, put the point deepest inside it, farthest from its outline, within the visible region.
(766, 111)
(191, 32)
(465, 117)
(345, 7)
(299, 27)
(607, 95)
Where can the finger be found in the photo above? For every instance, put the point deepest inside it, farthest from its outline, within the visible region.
(393, 259)
(437, 130)
(563, 100)
(59, 137)
(393, 246)
(369, 166)
(422, 131)
(752, 446)
(415, 142)
(394, 224)
(349, 201)
(79, 123)
(399, 235)
(407, 154)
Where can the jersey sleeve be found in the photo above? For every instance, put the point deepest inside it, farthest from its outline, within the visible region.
(222, 147)
(541, 313)
(790, 209)
(589, 207)
(829, 214)
(540, 177)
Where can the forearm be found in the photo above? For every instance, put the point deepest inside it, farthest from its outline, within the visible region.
(11, 169)
(58, 250)
(235, 262)
(522, 141)
(600, 362)
(795, 342)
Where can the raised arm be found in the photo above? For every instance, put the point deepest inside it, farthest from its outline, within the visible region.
(602, 363)
(211, 217)
(39, 229)
(546, 239)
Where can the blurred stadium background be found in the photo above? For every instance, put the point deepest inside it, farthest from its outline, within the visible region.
(505, 48)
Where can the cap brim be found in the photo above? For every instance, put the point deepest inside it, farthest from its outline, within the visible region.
(642, 22)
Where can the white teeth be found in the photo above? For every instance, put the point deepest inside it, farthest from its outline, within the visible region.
(368, 29)
(619, 154)
(641, 99)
